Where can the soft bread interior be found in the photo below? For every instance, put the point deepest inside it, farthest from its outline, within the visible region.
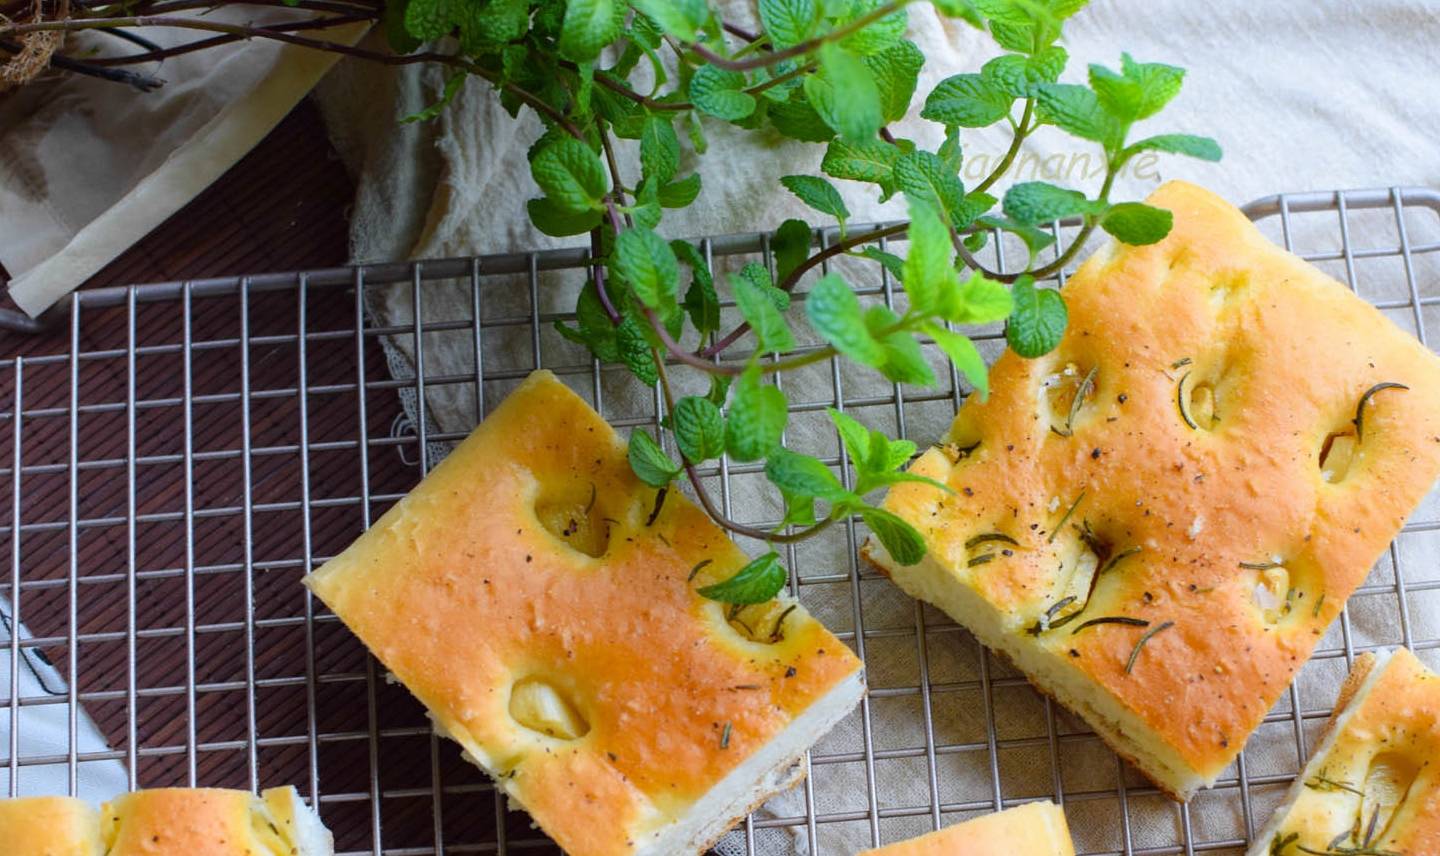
(298, 823)
(1125, 732)
(1351, 699)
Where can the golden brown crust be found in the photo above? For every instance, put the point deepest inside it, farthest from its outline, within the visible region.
(192, 821)
(1383, 761)
(462, 590)
(49, 826)
(1032, 829)
(1286, 353)
(1364, 664)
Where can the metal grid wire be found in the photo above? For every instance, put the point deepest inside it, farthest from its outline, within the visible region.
(202, 445)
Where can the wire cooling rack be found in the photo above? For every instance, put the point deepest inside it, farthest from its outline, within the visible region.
(200, 445)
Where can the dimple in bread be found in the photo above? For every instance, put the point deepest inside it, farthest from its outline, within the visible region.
(1032, 829)
(166, 822)
(529, 593)
(1157, 521)
(1372, 786)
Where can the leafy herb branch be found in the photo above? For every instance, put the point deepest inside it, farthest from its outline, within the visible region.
(831, 72)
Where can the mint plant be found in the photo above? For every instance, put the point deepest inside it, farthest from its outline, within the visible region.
(831, 72)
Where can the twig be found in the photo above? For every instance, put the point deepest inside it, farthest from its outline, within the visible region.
(142, 82)
(159, 53)
(800, 49)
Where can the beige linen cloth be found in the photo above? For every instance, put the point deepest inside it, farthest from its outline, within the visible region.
(88, 167)
(1302, 96)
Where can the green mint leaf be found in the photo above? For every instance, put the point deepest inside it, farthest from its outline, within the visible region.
(695, 130)
(679, 18)
(701, 301)
(962, 9)
(1033, 202)
(877, 36)
(699, 428)
(1137, 223)
(924, 177)
(798, 120)
(646, 210)
(805, 476)
(1013, 37)
(758, 308)
(897, 452)
(971, 207)
(495, 23)
(975, 241)
(904, 361)
(571, 175)
(1016, 14)
(715, 91)
(1139, 91)
(896, 70)
(928, 271)
(844, 93)
(588, 26)
(799, 509)
(719, 389)
(557, 222)
(760, 278)
(778, 92)
(632, 338)
(679, 194)
(904, 544)
(428, 20)
(659, 149)
(967, 100)
(645, 261)
(1038, 322)
(1035, 239)
(453, 84)
(757, 582)
(891, 262)
(788, 22)
(756, 418)
(855, 437)
(1077, 110)
(818, 194)
(867, 160)
(1203, 148)
(791, 246)
(1021, 76)
(963, 353)
(977, 300)
(835, 313)
(593, 328)
(649, 462)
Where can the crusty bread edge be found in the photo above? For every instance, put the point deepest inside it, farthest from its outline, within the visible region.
(874, 554)
(1367, 670)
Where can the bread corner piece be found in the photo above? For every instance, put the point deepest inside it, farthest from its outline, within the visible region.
(1032, 829)
(1157, 521)
(49, 826)
(533, 599)
(166, 822)
(1373, 784)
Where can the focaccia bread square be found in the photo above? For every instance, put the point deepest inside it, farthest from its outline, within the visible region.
(1157, 521)
(1032, 829)
(166, 822)
(1373, 784)
(533, 596)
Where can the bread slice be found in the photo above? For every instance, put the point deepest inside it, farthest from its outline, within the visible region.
(540, 601)
(1373, 784)
(1187, 468)
(1032, 829)
(165, 822)
(49, 826)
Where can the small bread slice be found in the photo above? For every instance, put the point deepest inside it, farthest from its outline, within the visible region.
(1032, 829)
(1373, 784)
(1207, 465)
(541, 602)
(49, 826)
(165, 822)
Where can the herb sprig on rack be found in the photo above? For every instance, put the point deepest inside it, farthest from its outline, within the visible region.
(836, 73)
